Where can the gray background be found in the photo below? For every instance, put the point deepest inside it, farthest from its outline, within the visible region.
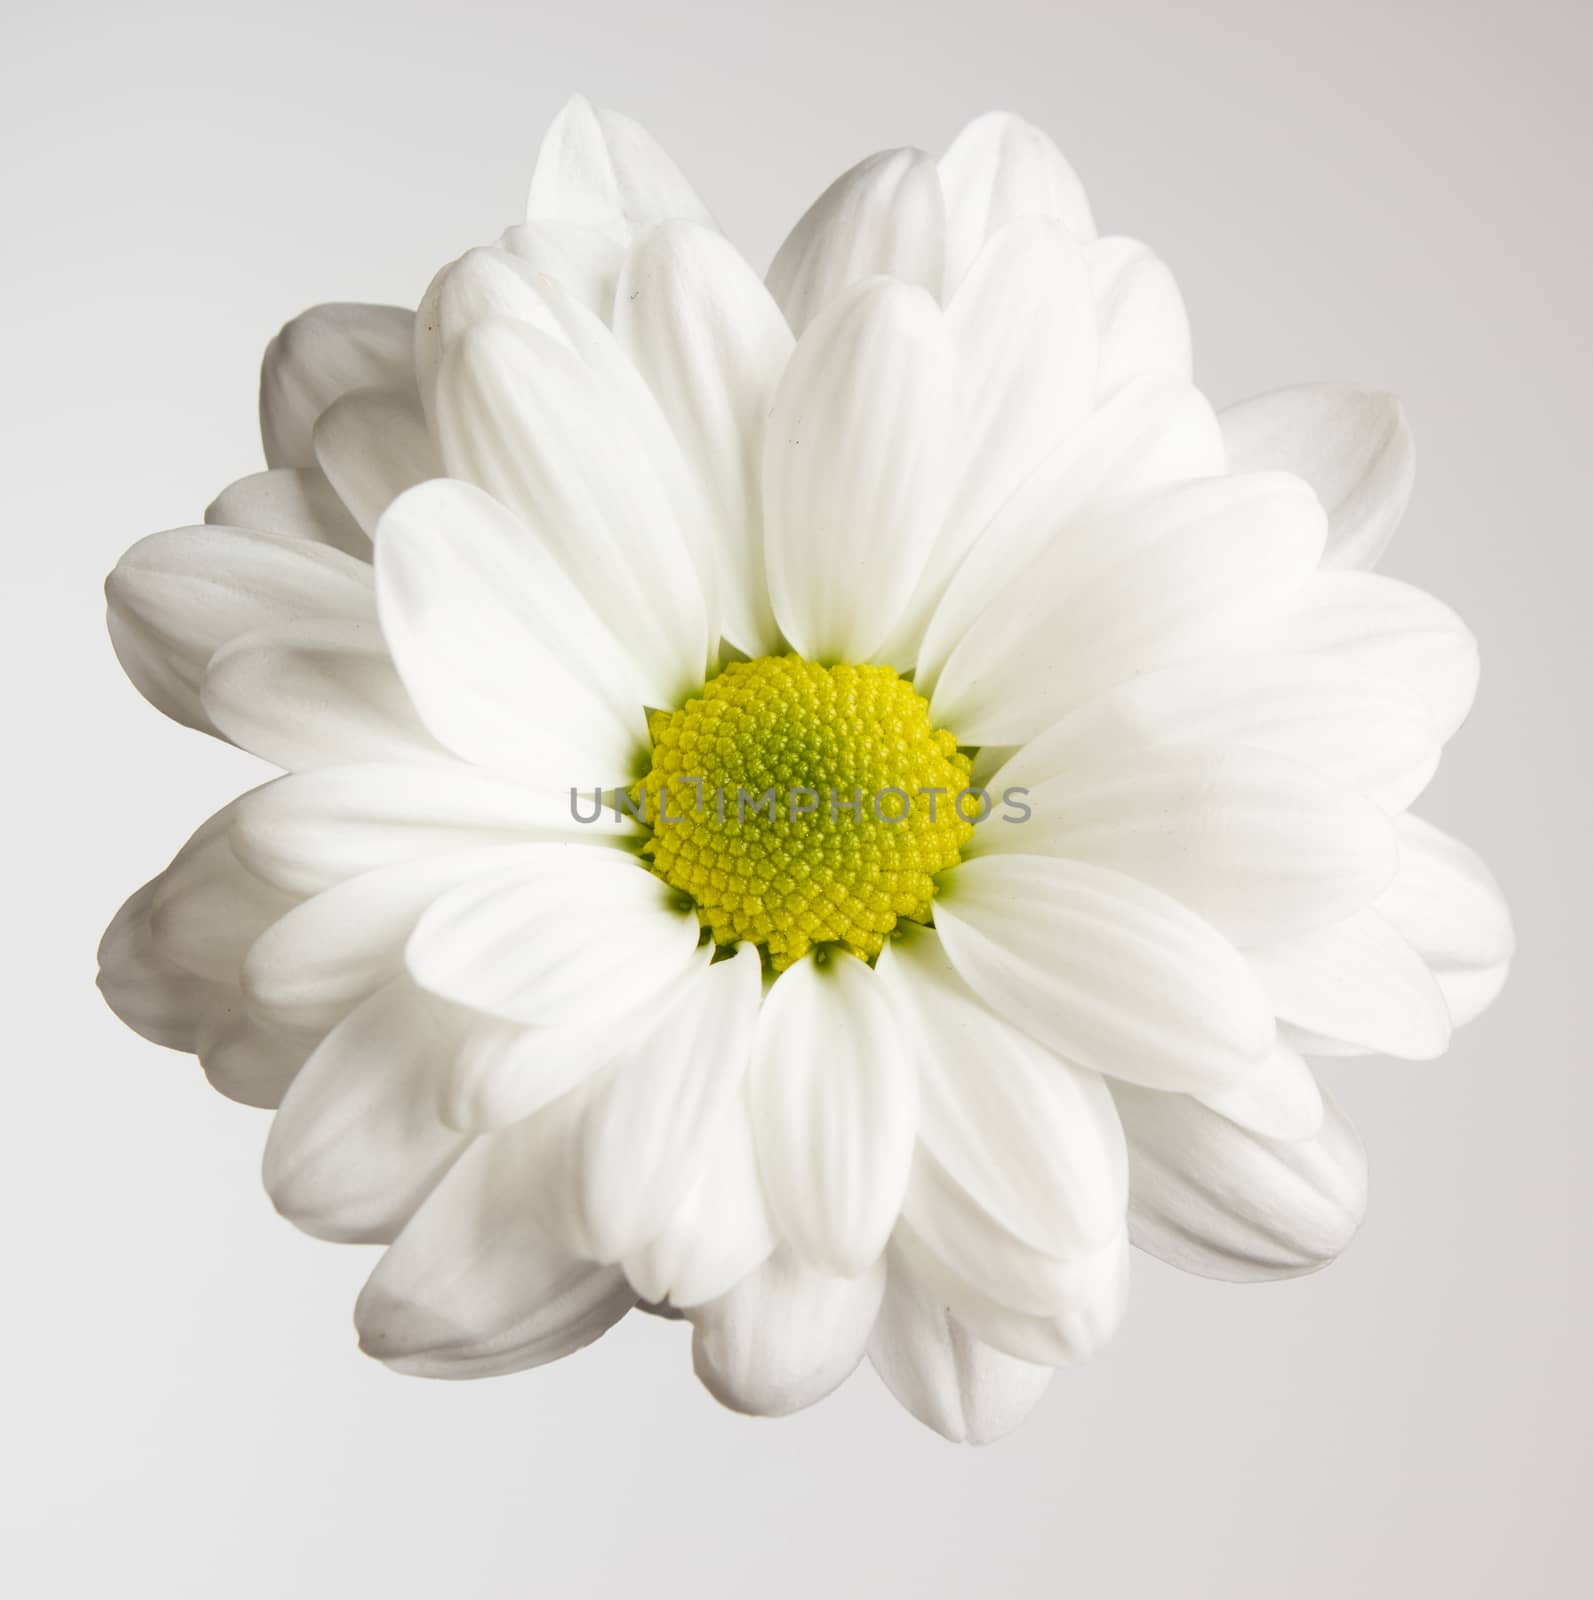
(1396, 193)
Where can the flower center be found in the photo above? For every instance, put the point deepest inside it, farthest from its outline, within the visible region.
(799, 805)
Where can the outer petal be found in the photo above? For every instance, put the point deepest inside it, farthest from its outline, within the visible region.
(882, 218)
(1144, 327)
(295, 501)
(586, 261)
(312, 693)
(1281, 1099)
(505, 661)
(998, 169)
(372, 445)
(600, 170)
(1352, 445)
(1359, 983)
(1153, 432)
(320, 355)
(246, 1060)
(1172, 577)
(1445, 903)
(855, 469)
(1258, 845)
(565, 931)
(1211, 1197)
(153, 995)
(357, 1144)
(552, 434)
(785, 1336)
(1384, 628)
(1105, 971)
(704, 332)
(175, 598)
(967, 1391)
(834, 1111)
(473, 1288)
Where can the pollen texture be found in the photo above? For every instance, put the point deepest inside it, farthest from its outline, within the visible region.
(792, 803)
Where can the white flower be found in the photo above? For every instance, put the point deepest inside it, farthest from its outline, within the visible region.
(936, 504)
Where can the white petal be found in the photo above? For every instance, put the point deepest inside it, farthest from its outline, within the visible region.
(1024, 329)
(966, 1390)
(834, 1111)
(1033, 1140)
(1281, 1099)
(249, 1061)
(1213, 1198)
(1445, 903)
(554, 436)
(297, 502)
(998, 169)
(308, 694)
(504, 660)
(785, 1336)
(1384, 628)
(311, 967)
(175, 598)
(585, 261)
(504, 1072)
(1144, 327)
(1104, 970)
(321, 355)
(704, 332)
(855, 469)
(882, 218)
(649, 1121)
(372, 445)
(1365, 732)
(718, 1234)
(152, 995)
(1260, 846)
(1170, 577)
(1352, 445)
(601, 170)
(357, 1144)
(311, 830)
(1155, 431)
(473, 1287)
(567, 929)
(1360, 983)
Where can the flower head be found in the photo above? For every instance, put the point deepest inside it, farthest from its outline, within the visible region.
(825, 804)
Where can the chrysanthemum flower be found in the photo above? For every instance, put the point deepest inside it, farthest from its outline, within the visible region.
(932, 513)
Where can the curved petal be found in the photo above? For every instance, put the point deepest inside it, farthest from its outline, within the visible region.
(1358, 983)
(311, 830)
(296, 502)
(1166, 578)
(473, 1288)
(882, 218)
(855, 469)
(785, 1336)
(584, 261)
(601, 170)
(1446, 905)
(999, 169)
(1153, 432)
(1281, 1099)
(373, 444)
(504, 660)
(1106, 971)
(565, 930)
(312, 693)
(246, 1060)
(553, 435)
(153, 995)
(1387, 629)
(1260, 846)
(175, 598)
(357, 1144)
(966, 1390)
(1144, 327)
(834, 1111)
(1032, 1140)
(1214, 1198)
(1352, 445)
(320, 355)
(704, 332)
